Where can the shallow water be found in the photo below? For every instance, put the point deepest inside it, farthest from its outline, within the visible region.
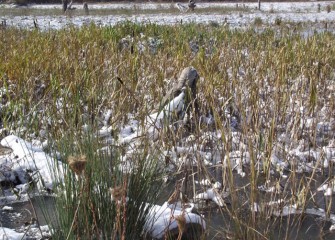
(39, 210)
(42, 209)
(218, 220)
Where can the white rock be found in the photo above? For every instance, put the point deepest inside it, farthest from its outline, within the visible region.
(211, 194)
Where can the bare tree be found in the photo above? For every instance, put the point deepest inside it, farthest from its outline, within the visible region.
(191, 4)
(86, 8)
(64, 2)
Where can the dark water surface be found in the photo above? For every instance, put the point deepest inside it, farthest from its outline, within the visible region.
(39, 210)
(218, 221)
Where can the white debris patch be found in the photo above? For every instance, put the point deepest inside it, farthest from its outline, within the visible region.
(10, 234)
(214, 193)
(163, 219)
(211, 194)
(236, 160)
(328, 187)
(7, 208)
(36, 232)
(27, 232)
(28, 162)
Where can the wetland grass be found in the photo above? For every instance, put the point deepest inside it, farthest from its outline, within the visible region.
(266, 92)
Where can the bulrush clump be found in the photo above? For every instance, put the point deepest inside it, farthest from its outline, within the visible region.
(77, 163)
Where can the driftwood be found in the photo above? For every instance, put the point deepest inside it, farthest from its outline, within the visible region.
(188, 79)
(186, 83)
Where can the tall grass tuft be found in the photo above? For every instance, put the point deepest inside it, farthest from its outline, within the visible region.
(86, 207)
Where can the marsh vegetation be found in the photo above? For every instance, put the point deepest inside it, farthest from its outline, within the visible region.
(253, 155)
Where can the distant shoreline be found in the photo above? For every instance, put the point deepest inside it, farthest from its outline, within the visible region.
(149, 1)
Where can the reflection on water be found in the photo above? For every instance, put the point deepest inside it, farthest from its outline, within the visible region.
(39, 210)
(294, 226)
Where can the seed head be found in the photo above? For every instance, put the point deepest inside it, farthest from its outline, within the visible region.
(116, 193)
(77, 163)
